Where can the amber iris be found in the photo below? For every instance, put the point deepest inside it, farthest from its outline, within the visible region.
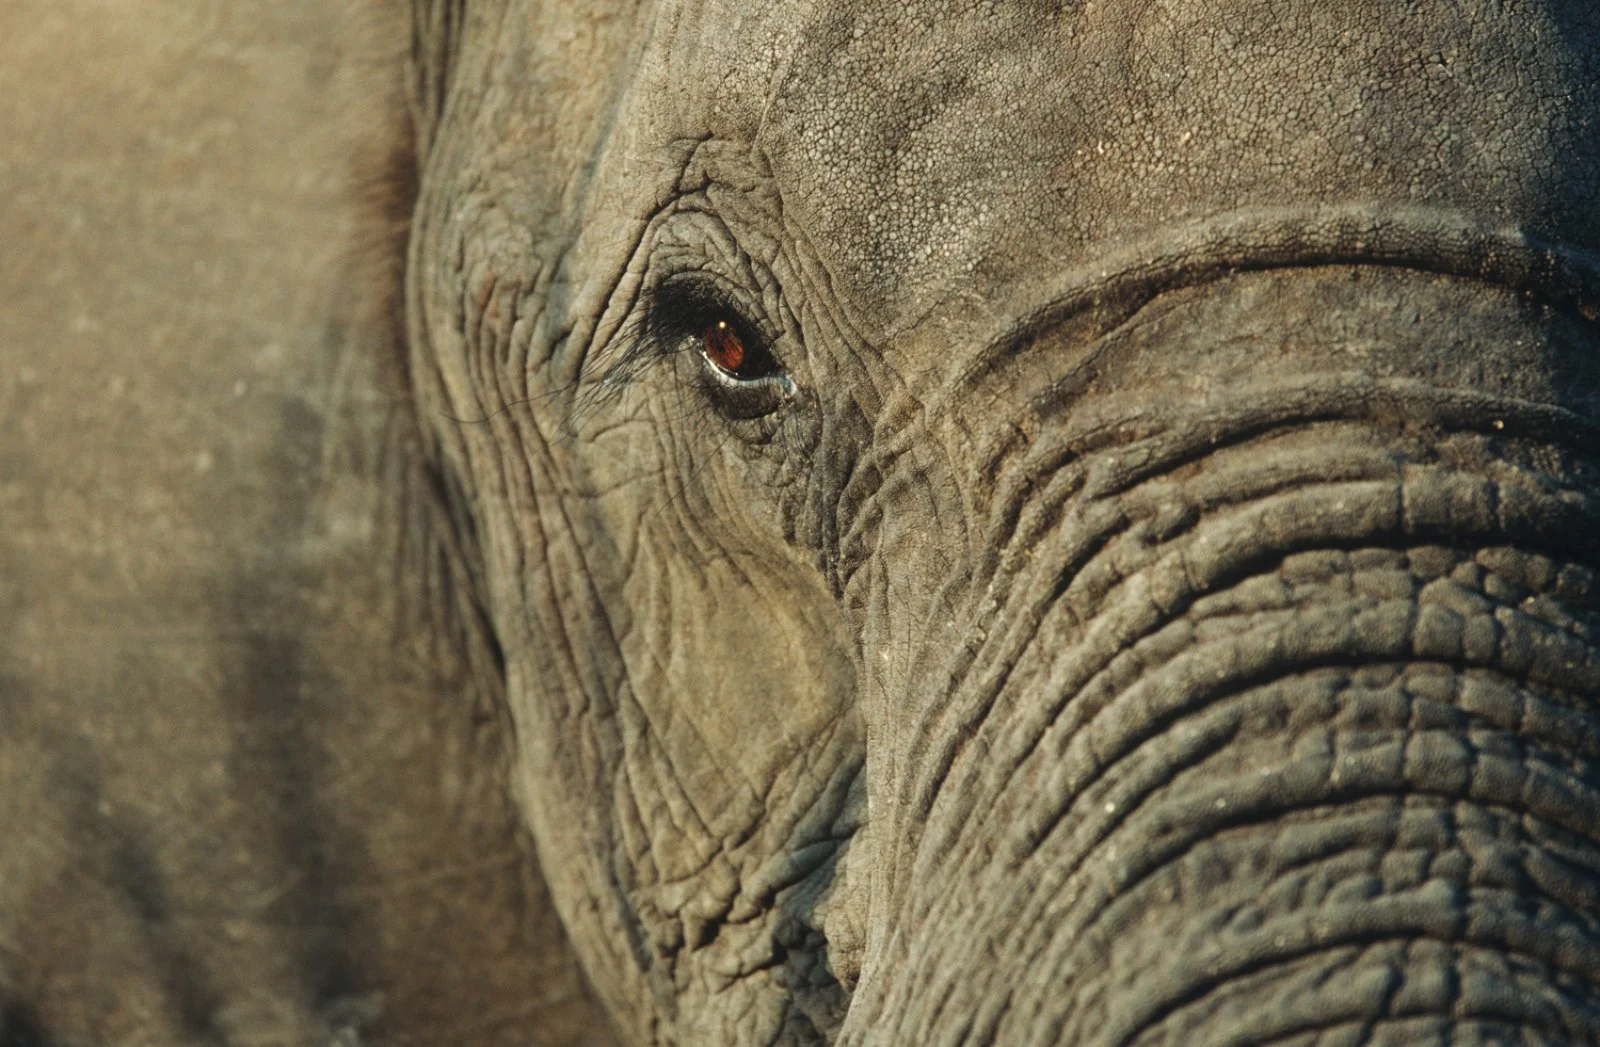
(724, 347)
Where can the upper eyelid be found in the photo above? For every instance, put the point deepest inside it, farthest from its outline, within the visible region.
(674, 260)
(694, 289)
(686, 301)
(643, 341)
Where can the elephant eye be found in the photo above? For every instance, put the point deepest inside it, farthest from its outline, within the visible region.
(723, 346)
(733, 351)
(738, 373)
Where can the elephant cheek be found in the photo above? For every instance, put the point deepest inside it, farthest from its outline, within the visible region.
(1291, 729)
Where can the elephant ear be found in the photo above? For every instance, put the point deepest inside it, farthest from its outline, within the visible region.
(251, 759)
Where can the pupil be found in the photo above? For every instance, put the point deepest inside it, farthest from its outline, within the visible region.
(724, 347)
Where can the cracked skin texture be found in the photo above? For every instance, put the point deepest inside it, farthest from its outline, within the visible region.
(1162, 610)
(1135, 626)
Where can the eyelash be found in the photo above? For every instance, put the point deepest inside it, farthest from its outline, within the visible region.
(675, 314)
(674, 317)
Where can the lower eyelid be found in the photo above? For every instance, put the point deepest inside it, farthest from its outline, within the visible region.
(782, 382)
(746, 398)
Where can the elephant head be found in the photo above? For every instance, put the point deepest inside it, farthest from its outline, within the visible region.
(1034, 523)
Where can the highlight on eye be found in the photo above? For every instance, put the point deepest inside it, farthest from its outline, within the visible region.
(739, 375)
(693, 314)
(723, 346)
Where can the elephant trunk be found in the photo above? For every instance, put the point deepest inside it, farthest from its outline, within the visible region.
(1283, 727)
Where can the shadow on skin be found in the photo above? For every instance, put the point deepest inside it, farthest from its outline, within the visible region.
(19, 1027)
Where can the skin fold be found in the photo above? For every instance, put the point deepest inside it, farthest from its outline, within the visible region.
(695, 522)
(1160, 606)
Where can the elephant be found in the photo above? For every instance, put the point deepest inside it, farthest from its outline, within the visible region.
(989, 524)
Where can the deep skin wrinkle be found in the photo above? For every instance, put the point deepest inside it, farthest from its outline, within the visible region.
(1159, 606)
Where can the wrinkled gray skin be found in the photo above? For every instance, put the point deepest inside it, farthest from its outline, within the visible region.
(1164, 609)
(1160, 607)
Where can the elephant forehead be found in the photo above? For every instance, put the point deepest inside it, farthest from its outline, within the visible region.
(927, 149)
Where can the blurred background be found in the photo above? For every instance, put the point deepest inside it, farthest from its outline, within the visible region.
(250, 786)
